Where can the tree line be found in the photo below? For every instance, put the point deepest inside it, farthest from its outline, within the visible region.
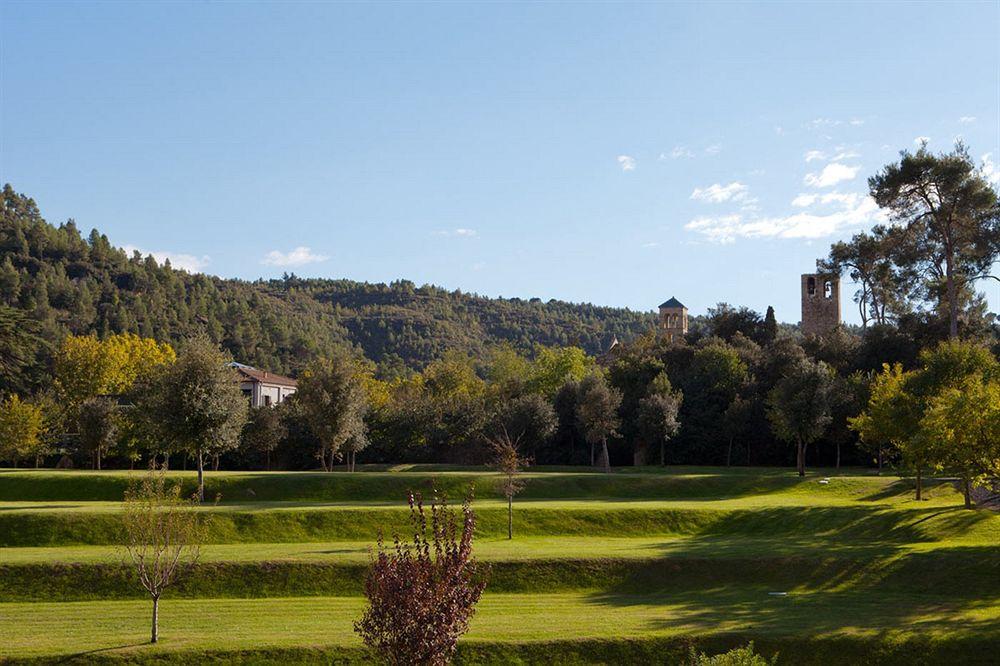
(739, 389)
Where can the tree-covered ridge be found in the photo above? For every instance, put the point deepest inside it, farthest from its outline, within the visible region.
(70, 284)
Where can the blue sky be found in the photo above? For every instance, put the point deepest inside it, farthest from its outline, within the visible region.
(614, 154)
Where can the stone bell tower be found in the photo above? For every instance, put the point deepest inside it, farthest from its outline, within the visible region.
(673, 320)
(820, 303)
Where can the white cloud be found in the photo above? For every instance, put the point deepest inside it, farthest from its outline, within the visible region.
(677, 153)
(844, 154)
(718, 193)
(813, 155)
(459, 233)
(989, 169)
(851, 211)
(651, 245)
(187, 262)
(714, 149)
(833, 122)
(300, 256)
(920, 140)
(966, 120)
(626, 162)
(832, 173)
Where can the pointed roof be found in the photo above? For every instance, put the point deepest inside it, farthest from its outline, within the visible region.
(673, 303)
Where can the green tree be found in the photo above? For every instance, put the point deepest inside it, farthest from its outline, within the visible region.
(965, 420)
(798, 407)
(264, 429)
(769, 329)
(658, 412)
(333, 399)
(99, 428)
(22, 429)
(195, 405)
(597, 414)
(951, 214)
(530, 420)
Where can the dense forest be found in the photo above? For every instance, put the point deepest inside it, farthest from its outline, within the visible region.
(67, 283)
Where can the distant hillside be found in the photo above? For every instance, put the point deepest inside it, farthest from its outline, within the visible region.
(71, 284)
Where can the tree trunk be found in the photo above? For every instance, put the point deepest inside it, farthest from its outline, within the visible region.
(591, 455)
(663, 454)
(155, 632)
(267, 460)
(37, 461)
(510, 516)
(215, 463)
(607, 458)
(800, 458)
(729, 453)
(838, 456)
(201, 477)
(919, 483)
(880, 461)
(967, 489)
(98, 457)
(952, 297)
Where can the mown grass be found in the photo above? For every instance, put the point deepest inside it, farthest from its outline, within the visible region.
(392, 486)
(626, 568)
(791, 623)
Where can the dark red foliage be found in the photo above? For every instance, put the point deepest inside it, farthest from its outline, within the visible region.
(423, 594)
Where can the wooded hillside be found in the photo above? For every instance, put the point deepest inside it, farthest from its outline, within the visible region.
(67, 283)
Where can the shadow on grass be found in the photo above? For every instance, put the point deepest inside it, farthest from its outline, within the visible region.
(70, 658)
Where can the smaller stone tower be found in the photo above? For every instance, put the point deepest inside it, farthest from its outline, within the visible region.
(820, 303)
(673, 319)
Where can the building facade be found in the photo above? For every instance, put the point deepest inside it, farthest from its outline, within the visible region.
(263, 388)
(820, 304)
(673, 320)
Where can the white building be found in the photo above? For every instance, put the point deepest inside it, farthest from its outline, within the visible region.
(262, 388)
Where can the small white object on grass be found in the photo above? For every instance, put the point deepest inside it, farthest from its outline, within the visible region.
(825, 481)
(777, 594)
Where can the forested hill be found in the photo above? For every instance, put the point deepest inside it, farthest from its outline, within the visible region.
(67, 283)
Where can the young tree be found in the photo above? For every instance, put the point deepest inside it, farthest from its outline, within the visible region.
(22, 428)
(508, 461)
(333, 400)
(195, 405)
(799, 406)
(264, 428)
(950, 212)
(597, 414)
(98, 420)
(161, 535)
(891, 419)
(657, 415)
(421, 595)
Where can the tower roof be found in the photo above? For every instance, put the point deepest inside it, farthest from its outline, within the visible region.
(673, 303)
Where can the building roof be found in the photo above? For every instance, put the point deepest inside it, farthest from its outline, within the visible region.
(673, 303)
(263, 376)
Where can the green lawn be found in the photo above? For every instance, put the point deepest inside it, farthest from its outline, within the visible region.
(621, 568)
(43, 629)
